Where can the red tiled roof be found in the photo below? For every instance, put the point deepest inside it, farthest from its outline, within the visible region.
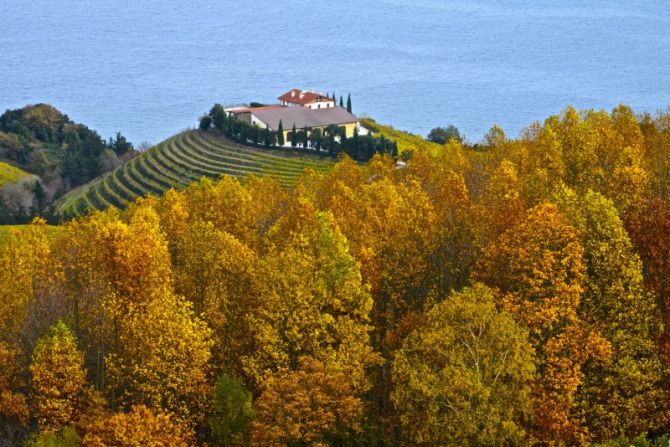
(297, 96)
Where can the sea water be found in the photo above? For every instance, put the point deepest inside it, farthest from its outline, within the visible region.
(150, 68)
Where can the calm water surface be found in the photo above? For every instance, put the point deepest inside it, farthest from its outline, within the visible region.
(149, 68)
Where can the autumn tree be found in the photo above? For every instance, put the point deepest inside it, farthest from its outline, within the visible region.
(536, 269)
(503, 200)
(216, 272)
(24, 274)
(162, 360)
(463, 376)
(624, 396)
(14, 410)
(312, 301)
(139, 427)
(313, 405)
(113, 266)
(648, 224)
(58, 379)
(391, 229)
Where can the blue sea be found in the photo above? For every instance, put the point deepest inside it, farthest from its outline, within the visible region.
(149, 68)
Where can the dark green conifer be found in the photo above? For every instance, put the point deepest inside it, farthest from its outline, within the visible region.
(280, 134)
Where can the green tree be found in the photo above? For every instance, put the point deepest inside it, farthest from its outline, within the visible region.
(305, 138)
(205, 122)
(280, 134)
(463, 377)
(442, 135)
(341, 102)
(219, 118)
(349, 103)
(266, 137)
(67, 437)
(294, 136)
(232, 411)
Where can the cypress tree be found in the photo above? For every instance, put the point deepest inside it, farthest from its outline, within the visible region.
(280, 134)
(266, 137)
(294, 137)
(334, 97)
(305, 140)
(349, 103)
(341, 102)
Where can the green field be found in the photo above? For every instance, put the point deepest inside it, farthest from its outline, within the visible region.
(177, 162)
(10, 174)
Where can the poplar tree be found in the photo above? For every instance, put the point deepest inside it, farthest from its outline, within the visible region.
(58, 378)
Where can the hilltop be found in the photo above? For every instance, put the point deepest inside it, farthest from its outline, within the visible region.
(180, 160)
(45, 154)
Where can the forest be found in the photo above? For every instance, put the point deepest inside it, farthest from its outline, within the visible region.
(512, 293)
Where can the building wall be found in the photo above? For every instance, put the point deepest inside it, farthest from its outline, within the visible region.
(258, 122)
(350, 127)
(314, 105)
(323, 104)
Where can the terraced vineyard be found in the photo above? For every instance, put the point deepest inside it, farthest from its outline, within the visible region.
(179, 161)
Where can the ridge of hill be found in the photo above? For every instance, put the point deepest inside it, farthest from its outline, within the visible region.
(177, 162)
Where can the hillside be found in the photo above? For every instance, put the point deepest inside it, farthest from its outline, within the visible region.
(58, 153)
(179, 161)
(10, 174)
(405, 141)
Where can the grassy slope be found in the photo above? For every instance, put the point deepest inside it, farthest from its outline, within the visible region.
(10, 174)
(180, 160)
(405, 141)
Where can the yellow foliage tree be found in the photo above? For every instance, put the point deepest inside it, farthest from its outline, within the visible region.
(624, 396)
(313, 301)
(58, 379)
(162, 360)
(314, 405)
(463, 376)
(216, 272)
(24, 273)
(139, 428)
